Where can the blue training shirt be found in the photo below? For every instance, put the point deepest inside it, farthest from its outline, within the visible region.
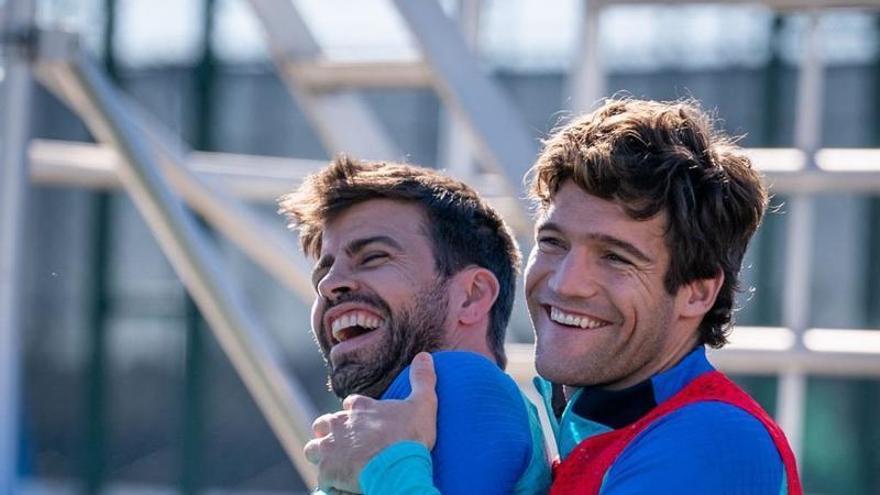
(702, 448)
(486, 436)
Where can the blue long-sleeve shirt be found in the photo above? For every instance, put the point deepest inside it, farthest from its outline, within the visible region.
(489, 440)
(703, 448)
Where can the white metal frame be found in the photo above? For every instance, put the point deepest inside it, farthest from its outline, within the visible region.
(15, 94)
(342, 120)
(142, 169)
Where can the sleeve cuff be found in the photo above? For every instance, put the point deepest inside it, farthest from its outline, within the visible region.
(402, 467)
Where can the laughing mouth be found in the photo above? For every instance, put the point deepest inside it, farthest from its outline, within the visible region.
(575, 320)
(353, 324)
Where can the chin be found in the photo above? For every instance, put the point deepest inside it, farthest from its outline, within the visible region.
(551, 369)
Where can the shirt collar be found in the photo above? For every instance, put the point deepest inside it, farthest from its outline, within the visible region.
(618, 408)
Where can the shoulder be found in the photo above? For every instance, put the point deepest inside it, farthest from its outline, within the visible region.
(457, 368)
(484, 441)
(709, 446)
(461, 374)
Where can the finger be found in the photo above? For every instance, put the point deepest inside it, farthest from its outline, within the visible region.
(355, 401)
(312, 451)
(324, 483)
(321, 426)
(422, 378)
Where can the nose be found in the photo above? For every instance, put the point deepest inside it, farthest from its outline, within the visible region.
(336, 282)
(574, 277)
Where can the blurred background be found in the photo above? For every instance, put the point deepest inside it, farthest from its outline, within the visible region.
(112, 380)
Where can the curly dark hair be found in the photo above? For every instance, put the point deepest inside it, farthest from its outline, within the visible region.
(464, 230)
(651, 157)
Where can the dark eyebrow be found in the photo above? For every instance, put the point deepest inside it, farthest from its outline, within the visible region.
(353, 247)
(358, 244)
(605, 239)
(620, 243)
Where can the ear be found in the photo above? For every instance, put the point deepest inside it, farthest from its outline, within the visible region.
(478, 290)
(697, 297)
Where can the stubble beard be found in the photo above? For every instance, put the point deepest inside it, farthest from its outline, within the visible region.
(413, 329)
(607, 366)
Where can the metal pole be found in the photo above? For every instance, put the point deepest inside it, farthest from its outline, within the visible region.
(275, 252)
(796, 303)
(97, 405)
(502, 138)
(278, 395)
(342, 119)
(15, 83)
(586, 84)
(872, 294)
(196, 357)
(808, 114)
(766, 300)
(455, 147)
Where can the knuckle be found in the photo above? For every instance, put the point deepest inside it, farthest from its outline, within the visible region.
(339, 418)
(357, 401)
(321, 421)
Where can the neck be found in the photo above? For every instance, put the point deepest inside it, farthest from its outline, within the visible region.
(470, 339)
(667, 359)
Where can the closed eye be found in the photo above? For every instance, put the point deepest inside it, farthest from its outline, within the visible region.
(373, 258)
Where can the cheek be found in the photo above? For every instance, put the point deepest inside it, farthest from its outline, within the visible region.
(535, 269)
(317, 314)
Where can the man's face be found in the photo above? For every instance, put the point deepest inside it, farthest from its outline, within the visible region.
(594, 285)
(380, 300)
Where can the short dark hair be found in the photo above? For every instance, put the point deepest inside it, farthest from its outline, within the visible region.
(464, 230)
(650, 157)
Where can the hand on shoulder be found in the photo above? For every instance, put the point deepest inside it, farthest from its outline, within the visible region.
(345, 441)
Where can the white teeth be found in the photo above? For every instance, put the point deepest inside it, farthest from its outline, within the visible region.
(354, 318)
(567, 319)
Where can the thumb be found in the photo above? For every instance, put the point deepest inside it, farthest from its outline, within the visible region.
(422, 378)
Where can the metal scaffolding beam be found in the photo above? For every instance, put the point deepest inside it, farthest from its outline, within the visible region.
(801, 219)
(503, 141)
(774, 4)
(768, 351)
(322, 76)
(265, 178)
(279, 396)
(454, 146)
(15, 91)
(586, 82)
(275, 252)
(341, 118)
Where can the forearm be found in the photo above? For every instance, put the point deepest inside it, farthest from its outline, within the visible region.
(404, 468)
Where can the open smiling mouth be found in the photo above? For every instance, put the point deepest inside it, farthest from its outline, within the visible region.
(574, 320)
(353, 324)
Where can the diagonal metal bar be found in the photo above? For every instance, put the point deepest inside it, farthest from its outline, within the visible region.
(279, 396)
(502, 138)
(275, 252)
(341, 118)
